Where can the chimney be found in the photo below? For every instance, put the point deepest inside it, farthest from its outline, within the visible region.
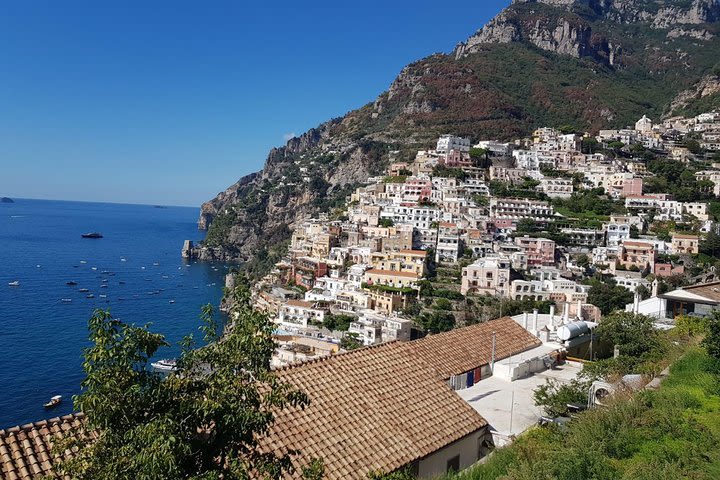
(655, 288)
(579, 313)
(566, 312)
(552, 312)
(525, 320)
(636, 303)
(535, 320)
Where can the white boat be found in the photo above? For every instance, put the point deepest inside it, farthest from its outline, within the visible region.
(165, 365)
(66, 300)
(54, 401)
(16, 283)
(171, 301)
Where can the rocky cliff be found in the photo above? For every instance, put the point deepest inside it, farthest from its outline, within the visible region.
(586, 63)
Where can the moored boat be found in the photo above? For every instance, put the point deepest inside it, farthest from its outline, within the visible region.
(92, 235)
(16, 283)
(54, 402)
(72, 283)
(165, 365)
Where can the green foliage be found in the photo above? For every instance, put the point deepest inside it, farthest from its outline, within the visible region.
(395, 179)
(443, 171)
(351, 341)
(554, 396)
(386, 222)
(711, 342)
(480, 158)
(670, 433)
(592, 201)
(219, 229)
(608, 297)
(674, 177)
(633, 334)
(198, 422)
(338, 322)
(437, 321)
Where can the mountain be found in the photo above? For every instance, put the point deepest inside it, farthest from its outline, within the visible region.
(589, 64)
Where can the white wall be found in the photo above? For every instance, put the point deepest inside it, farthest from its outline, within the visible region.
(468, 447)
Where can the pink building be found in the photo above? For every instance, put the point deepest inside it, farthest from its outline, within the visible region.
(456, 159)
(416, 190)
(667, 270)
(632, 187)
(539, 251)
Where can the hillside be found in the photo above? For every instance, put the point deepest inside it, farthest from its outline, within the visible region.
(589, 64)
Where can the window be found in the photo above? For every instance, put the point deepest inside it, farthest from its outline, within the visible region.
(453, 465)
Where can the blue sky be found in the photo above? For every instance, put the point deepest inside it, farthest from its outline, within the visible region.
(170, 102)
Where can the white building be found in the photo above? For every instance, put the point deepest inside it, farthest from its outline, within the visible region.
(447, 143)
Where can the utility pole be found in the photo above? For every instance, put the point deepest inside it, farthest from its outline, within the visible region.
(492, 358)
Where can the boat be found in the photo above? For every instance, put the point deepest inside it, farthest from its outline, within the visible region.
(16, 283)
(102, 296)
(83, 261)
(84, 290)
(66, 300)
(90, 295)
(92, 235)
(54, 402)
(104, 285)
(156, 264)
(72, 283)
(171, 301)
(165, 365)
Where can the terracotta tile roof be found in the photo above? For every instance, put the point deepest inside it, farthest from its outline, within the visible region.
(391, 273)
(374, 409)
(419, 253)
(26, 451)
(463, 349)
(299, 303)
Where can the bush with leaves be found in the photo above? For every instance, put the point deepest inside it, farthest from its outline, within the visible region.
(200, 422)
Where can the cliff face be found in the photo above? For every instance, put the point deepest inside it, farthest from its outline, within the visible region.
(587, 63)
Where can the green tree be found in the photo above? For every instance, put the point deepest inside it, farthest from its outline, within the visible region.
(480, 157)
(437, 321)
(711, 342)
(351, 341)
(554, 396)
(608, 297)
(200, 421)
(633, 334)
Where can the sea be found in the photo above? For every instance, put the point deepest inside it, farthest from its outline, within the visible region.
(135, 271)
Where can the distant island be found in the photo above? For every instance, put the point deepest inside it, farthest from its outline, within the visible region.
(6, 200)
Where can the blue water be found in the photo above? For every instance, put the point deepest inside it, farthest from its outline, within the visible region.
(41, 338)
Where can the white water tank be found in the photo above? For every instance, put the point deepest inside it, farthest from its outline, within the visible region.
(572, 330)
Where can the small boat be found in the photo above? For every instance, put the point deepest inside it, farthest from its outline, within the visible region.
(121, 282)
(71, 283)
(156, 264)
(171, 301)
(104, 285)
(166, 365)
(93, 268)
(54, 402)
(92, 235)
(66, 300)
(90, 295)
(16, 283)
(83, 290)
(102, 296)
(123, 260)
(83, 261)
